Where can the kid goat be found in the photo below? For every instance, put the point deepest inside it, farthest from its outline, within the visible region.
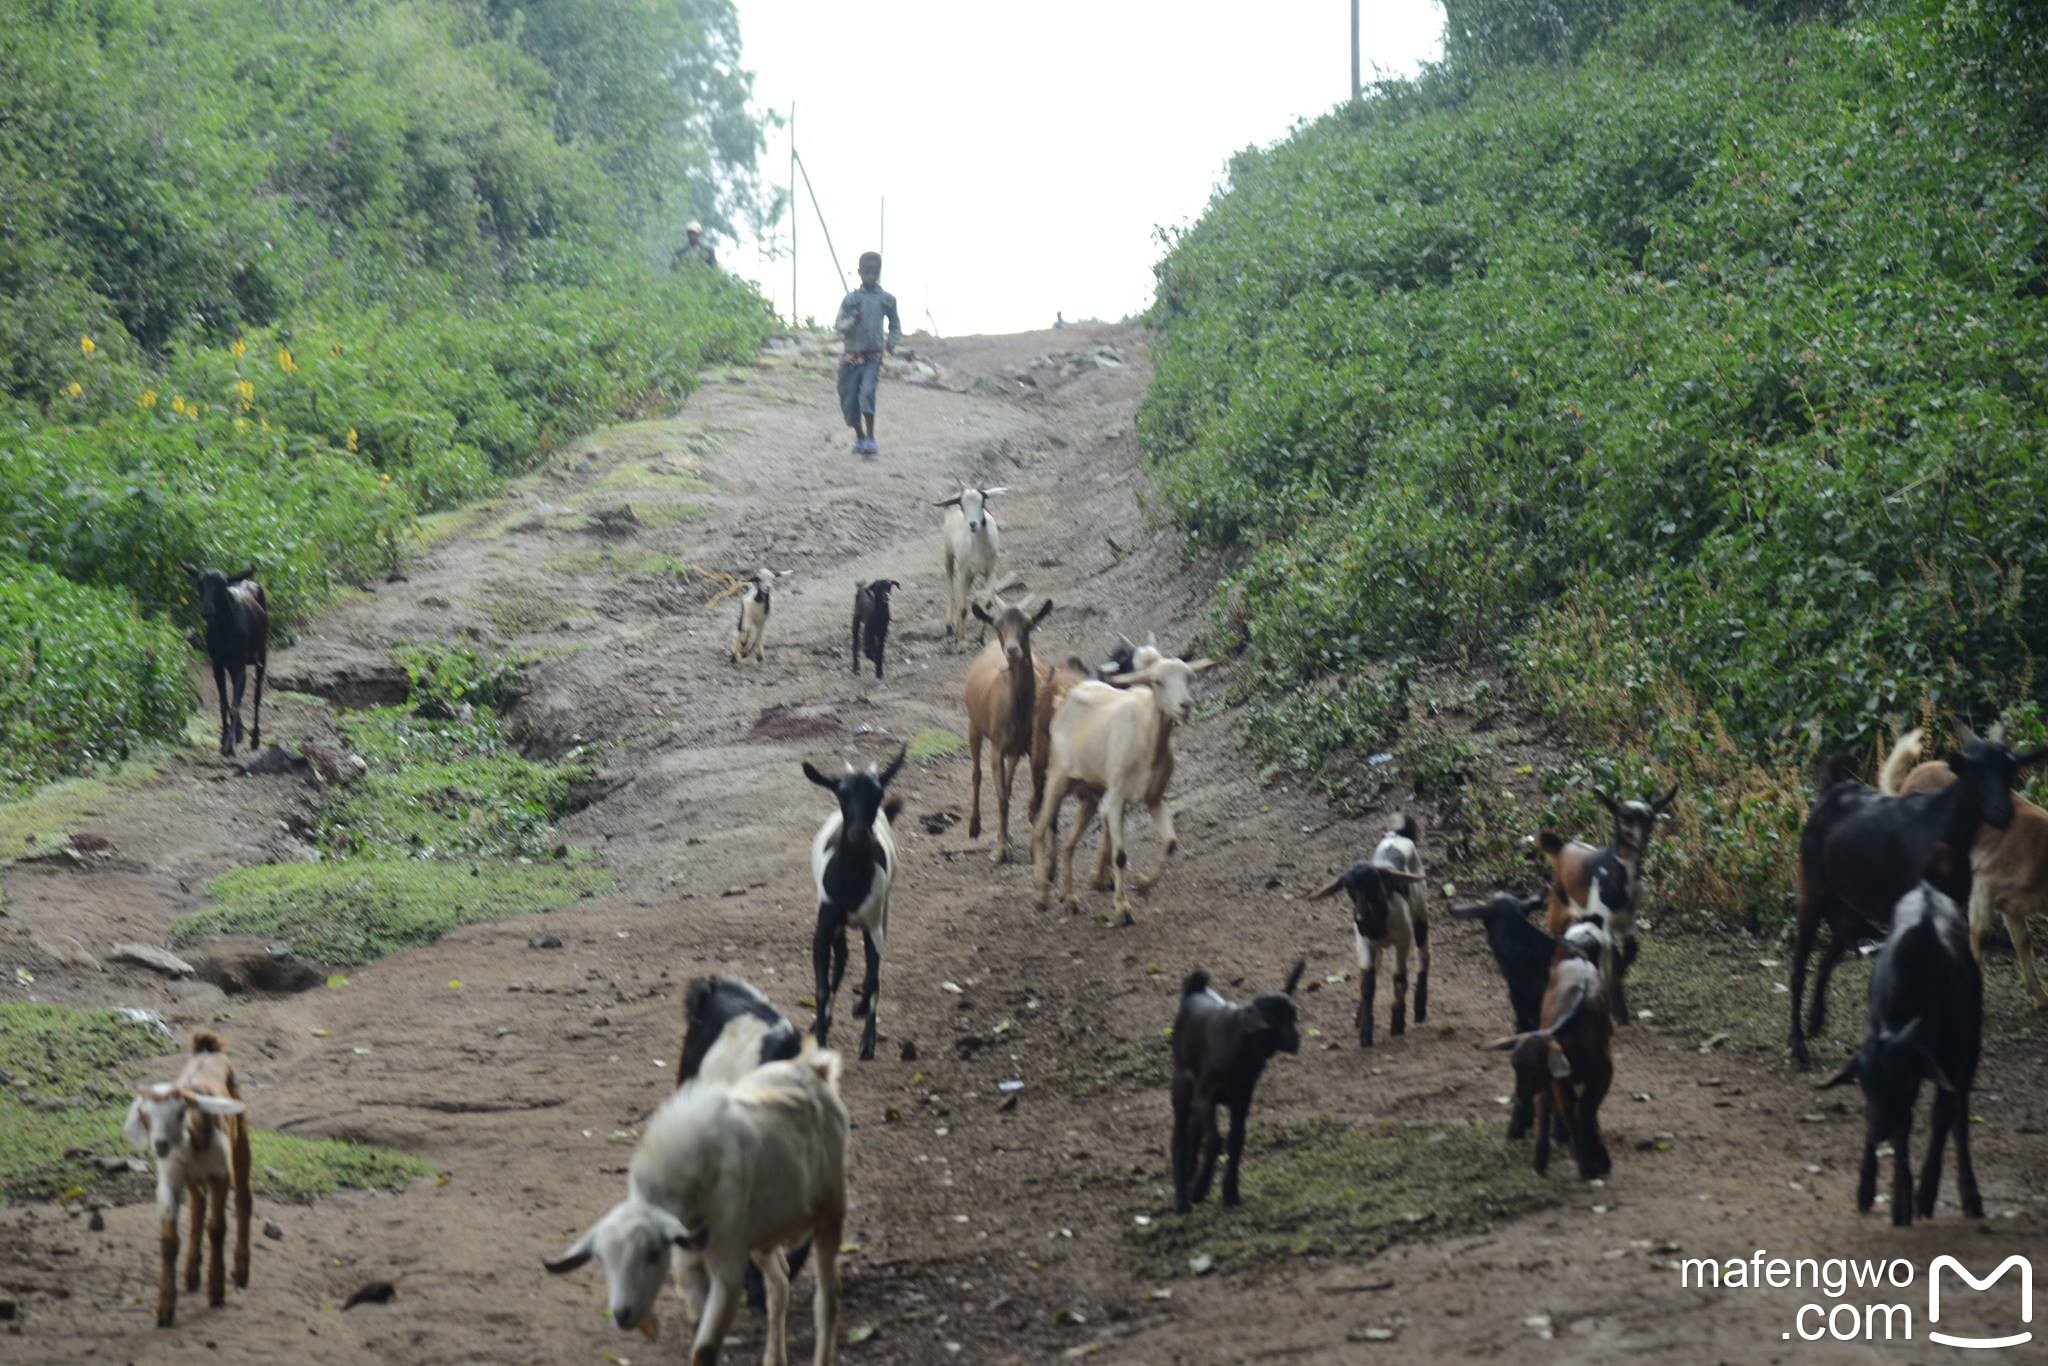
(1576, 868)
(1002, 694)
(753, 622)
(853, 861)
(237, 620)
(1862, 851)
(1389, 909)
(1219, 1052)
(1114, 745)
(871, 618)
(2008, 868)
(1926, 1021)
(1565, 1065)
(732, 1175)
(199, 1133)
(970, 543)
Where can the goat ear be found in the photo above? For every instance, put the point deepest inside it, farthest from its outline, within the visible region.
(1294, 976)
(133, 1129)
(1560, 1065)
(1934, 1072)
(1606, 801)
(820, 779)
(217, 1105)
(242, 575)
(999, 488)
(1403, 875)
(1499, 1045)
(1908, 1035)
(1330, 890)
(888, 775)
(577, 1255)
(1533, 904)
(1128, 645)
(980, 615)
(952, 502)
(1964, 735)
(1468, 912)
(2031, 756)
(1841, 1078)
(1039, 615)
(1202, 666)
(1663, 803)
(190, 568)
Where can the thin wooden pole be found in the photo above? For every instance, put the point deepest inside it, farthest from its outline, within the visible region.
(1354, 50)
(795, 318)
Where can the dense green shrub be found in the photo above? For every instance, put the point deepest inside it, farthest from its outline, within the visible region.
(1703, 378)
(274, 279)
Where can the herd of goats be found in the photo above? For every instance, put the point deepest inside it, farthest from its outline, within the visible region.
(741, 1173)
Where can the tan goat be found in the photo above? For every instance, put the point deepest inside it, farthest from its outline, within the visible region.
(199, 1134)
(1002, 693)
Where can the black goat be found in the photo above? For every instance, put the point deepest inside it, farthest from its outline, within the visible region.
(871, 618)
(1862, 851)
(1521, 950)
(237, 638)
(1926, 1021)
(729, 1029)
(853, 861)
(1219, 1050)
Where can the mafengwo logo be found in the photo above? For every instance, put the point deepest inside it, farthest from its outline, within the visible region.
(1858, 1317)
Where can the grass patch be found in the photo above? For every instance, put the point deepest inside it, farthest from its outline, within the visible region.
(933, 742)
(357, 910)
(1120, 1065)
(618, 564)
(673, 475)
(1709, 986)
(515, 612)
(70, 1058)
(57, 809)
(1325, 1188)
(655, 516)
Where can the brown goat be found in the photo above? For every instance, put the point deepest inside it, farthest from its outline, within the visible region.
(2008, 868)
(1576, 867)
(198, 1132)
(1567, 1064)
(1002, 695)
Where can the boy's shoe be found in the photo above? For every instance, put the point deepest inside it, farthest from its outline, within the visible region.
(860, 446)
(868, 447)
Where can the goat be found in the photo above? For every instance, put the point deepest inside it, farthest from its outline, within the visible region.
(1524, 954)
(198, 1129)
(1115, 745)
(1002, 695)
(1055, 681)
(237, 617)
(731, 1174)
(1576, 867)
(1861, 851)
(1219, 1050)
(755, 600)
(871, 618)
(971, 545)
(1564, 1067)
(1389, 909)
(853, 861)
(2008, 868)
(729, 1029)
(1926, 1019)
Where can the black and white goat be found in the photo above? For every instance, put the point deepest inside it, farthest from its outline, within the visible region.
(1389, 909)
(1219, 1052)
(755, 601)
(1617, 866)
(237, 617)
(853, 861)
(1926, 1021)
(970, 543)
(871, 619)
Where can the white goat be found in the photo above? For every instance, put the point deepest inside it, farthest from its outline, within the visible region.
(732, 1174)
(971, 544)
(1389, 911)
(199, 1134)
(1113, 742)
(753, 623)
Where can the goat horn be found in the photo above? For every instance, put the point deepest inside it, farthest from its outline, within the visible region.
(1964, 734)
(952, 502)
(1000, 488)
(1330, 890)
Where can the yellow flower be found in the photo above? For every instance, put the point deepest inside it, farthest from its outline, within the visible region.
(263, 423)
(285, 361)
(351, 441)
(192, 409)
(335, 349)
(241, 424)
(148, 399)
(75, 389)
(177, 403)
(238, 347)
(246, 390)
(85, 344)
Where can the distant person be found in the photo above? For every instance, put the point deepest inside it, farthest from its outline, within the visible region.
(860, 320)
(696, 249)
(1059, 320)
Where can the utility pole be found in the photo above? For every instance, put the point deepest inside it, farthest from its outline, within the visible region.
(882, 239)
(795, 318)
(1354, 50)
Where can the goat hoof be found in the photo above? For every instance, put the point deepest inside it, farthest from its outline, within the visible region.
(1127, 922)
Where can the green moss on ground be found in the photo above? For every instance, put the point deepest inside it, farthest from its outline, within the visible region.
(1120, 1065)
(1325, 1188)
(933, 742)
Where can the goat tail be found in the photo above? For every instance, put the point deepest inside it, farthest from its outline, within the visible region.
(1900, 761)
(1198, 980)
(892, 807)
(1408, 828)
(206, 1041)
(1574, 1002)
(824, 1061)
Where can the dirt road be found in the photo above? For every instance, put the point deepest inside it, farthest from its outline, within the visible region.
(983, 1233)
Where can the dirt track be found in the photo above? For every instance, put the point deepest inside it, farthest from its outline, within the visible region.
(974, 1226)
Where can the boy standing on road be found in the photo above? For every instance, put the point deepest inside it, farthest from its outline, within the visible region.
(860, 321)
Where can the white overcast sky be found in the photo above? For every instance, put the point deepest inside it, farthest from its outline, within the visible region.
(1027, 150)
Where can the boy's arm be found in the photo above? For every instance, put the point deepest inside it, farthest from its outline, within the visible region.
(895, 323)
(849, 315)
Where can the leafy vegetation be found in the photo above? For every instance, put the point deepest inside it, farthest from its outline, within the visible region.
(1688, 358)
(277, 279)
(1322, 1187)
(61, 1104)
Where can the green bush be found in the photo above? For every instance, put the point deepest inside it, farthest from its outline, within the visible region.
(1692, 361)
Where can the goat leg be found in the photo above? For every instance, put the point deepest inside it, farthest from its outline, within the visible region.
(1183, 1143)
(1113, 831)
(1368, 987)
(1902, 1179)
(1966, 1170)
(167, 1271)
(870, 994)
(1169, 840)
(774, 1274)
(1817, 1007)
(239, 1173)
(2022, 948)
(1421, 969)
(1211, 1139)
(1802, 948)
(240, 674)
(1938, 1125)
(829, 1230)
(1625, 955)
(220, 690)
(1005, 767)
(1236, 1153)
(1520, 1113)
(217, 1244)
(1595, 1162)
(1545, 1102)
(821, 967)
(196, 1193)
(1866, 1179)
(1399, 1025)
(256, 714)
(711, 1329)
